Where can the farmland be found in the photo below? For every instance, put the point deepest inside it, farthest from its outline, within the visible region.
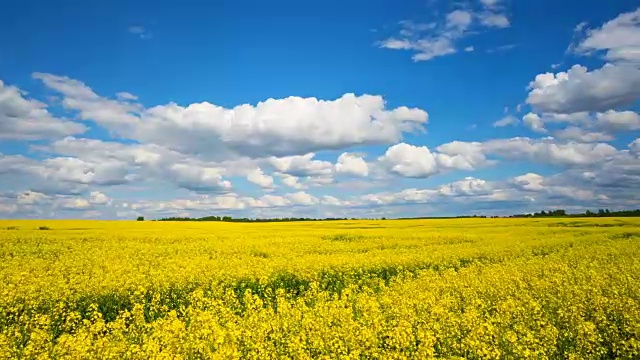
(395, 289)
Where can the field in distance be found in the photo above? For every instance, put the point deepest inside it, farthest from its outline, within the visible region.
(394, 289)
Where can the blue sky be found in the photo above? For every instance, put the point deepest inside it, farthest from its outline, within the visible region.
(377, 108)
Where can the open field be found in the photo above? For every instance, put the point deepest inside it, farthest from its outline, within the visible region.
(472, 288)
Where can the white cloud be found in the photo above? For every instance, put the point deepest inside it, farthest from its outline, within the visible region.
(419, 162)
(291, 181)
(302, 198)
(405, 196)
(618, 38)
(278, 127)
(468, 187)
(258, 177)
(529, 181)
(301, 165)
(410, 161)
(618, 121)
(573, 118)
(580, 135)
(271, 201)
(200, 179)
(552, 189)
(506, 121)
(98, 198)
(538, 150)
(467, 191)
(73, 204)
(8, 208)
(30, 198)
(36, 202)
(460, 19)
(533, 122)
(494, 20)
(111, 114)
(547, 151)
(147, 162)
(333, 201)
(126, 96)
(352, 164)
(432, 40)
(635, 146)
(28, 119)
(579, 90)
(461, 155)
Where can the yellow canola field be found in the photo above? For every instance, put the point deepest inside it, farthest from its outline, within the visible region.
(395, 289)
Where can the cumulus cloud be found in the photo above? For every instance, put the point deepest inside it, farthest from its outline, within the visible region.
(291, 181)
(258, 177)
(529, 181)
(352, 164)
(66, 170)
(539, 184)
(572, 118)
(613, 121)
(420, 162)
(30, 198)
(114, 115)
(301, 165)
(302, 198)
(90, 162)
(277, 127)
(200, 179)
(462, 155)
(334, 201)
(584, 126)
(29, 119)
(618, 38)
(548, 151)
(468, 190)
(204, 147)
(533, 122)
(232, 201)
(410, 161)
(33, 202)
(581, 135)
(579, 90)
(635, 146)
(469, 186)
(539, 150)
(98, 198)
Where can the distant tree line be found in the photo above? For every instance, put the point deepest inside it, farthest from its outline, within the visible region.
(543, 214)
(231, 219)
(449, 217)
(588, 213)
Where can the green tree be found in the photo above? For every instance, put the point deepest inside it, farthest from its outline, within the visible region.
(140, 218)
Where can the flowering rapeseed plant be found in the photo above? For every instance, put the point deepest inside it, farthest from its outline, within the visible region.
(468, 288)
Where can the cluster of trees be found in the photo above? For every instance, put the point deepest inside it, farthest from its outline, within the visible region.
(588, 213)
